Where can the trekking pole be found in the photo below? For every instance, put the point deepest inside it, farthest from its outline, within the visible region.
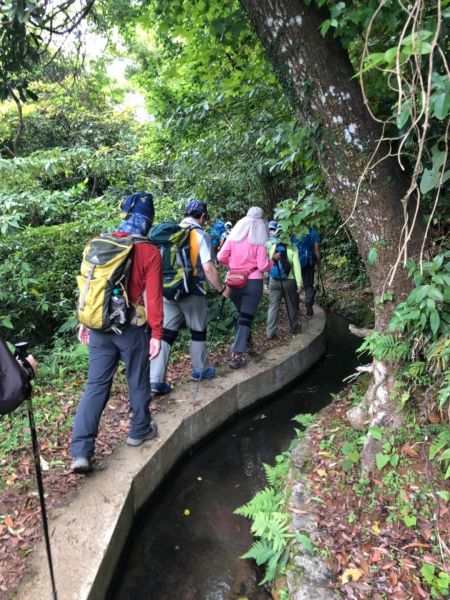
(218, 317)
(284, 296)
(21, 353)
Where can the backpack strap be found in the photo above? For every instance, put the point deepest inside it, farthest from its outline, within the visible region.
(194, 246)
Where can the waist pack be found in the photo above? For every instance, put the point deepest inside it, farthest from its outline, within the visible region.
(103, 301)
(237, 279)
(15, 384)
(179, 252)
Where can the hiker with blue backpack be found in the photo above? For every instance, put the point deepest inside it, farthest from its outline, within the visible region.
(308, 248)
(285, 281)
(121, 314)
(188, 267)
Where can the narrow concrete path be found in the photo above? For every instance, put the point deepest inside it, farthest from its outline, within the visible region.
(87, 534)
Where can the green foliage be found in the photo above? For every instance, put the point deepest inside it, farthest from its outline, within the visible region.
(270, 523)
(38, 268)
(418, 332)
(304, 419)
(437, 580)
(440, 449)
(404, 51)
(351, 455)
(311, 209)
(270, 520)
(389, 455)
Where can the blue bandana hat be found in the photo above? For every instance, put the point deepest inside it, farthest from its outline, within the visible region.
(140, 203)
(136, 224)
(195, 208)
(273, 225)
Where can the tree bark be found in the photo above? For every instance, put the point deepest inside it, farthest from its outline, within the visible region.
(316, 74)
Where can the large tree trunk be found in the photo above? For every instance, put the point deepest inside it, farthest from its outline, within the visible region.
(317, 77)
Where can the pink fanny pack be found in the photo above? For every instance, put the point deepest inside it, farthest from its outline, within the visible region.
(237, 279)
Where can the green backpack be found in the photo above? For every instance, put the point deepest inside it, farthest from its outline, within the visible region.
(179, 252)
(103, 301)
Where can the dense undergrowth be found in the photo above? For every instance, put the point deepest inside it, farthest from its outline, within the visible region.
(380, 536)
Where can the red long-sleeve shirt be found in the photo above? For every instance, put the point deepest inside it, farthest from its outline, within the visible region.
(146, 274)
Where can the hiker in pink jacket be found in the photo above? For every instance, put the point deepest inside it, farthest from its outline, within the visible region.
(245, 254)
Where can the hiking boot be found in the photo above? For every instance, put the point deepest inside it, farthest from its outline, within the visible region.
(296, 329)
(309, 311)
(272, 337)
(160, 387)
(208, 373)
(237, 360)
(81, 465)
(150, 435)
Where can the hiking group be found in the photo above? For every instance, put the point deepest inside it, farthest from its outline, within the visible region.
(140, 284)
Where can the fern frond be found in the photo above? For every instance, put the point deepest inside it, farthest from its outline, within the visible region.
(261, 551)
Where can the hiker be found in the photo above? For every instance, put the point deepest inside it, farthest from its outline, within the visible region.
(245, 254)
(285, 281)
(225, 234)
(309, 255)
(134, 345)
(15, 377)
(192, 306)
(216, 232)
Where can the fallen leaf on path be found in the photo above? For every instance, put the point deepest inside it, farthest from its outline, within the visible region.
(351, 574)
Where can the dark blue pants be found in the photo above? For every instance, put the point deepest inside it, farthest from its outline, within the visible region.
(105, 351)
(308, 284)
(246, 301)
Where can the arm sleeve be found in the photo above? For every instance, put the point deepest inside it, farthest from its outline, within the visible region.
(224, 254)
(153, 291)
(263, 262)
(204, 245)
(296, 266)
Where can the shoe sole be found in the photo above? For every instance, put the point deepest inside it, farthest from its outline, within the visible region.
(135, 442)
(82, 470)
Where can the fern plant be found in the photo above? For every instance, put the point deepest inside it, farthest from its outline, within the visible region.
(270, 521)
(440, 450)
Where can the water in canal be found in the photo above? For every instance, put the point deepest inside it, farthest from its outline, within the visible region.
(186, 543)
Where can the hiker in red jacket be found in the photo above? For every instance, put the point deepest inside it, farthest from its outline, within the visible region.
(139, 341)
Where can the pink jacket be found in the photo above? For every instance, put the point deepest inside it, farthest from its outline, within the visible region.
(243, 256)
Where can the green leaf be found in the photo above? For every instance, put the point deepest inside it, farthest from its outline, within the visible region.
(325, 27)
(372, 257)
(403, 117)
(441, 106)
(382, 460)
(434, 321)
(376, 433)
(394, 460)
(307, 544)
(427, 571)
(410, 520)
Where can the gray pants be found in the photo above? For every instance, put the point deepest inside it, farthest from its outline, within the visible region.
(105, 351)
(246, 300)
(276, 297)
(194, 311)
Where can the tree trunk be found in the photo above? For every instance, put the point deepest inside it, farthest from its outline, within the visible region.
(317, 77)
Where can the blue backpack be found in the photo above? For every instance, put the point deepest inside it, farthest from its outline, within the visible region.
(281, 268)
(215, 231)
(306, 252)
